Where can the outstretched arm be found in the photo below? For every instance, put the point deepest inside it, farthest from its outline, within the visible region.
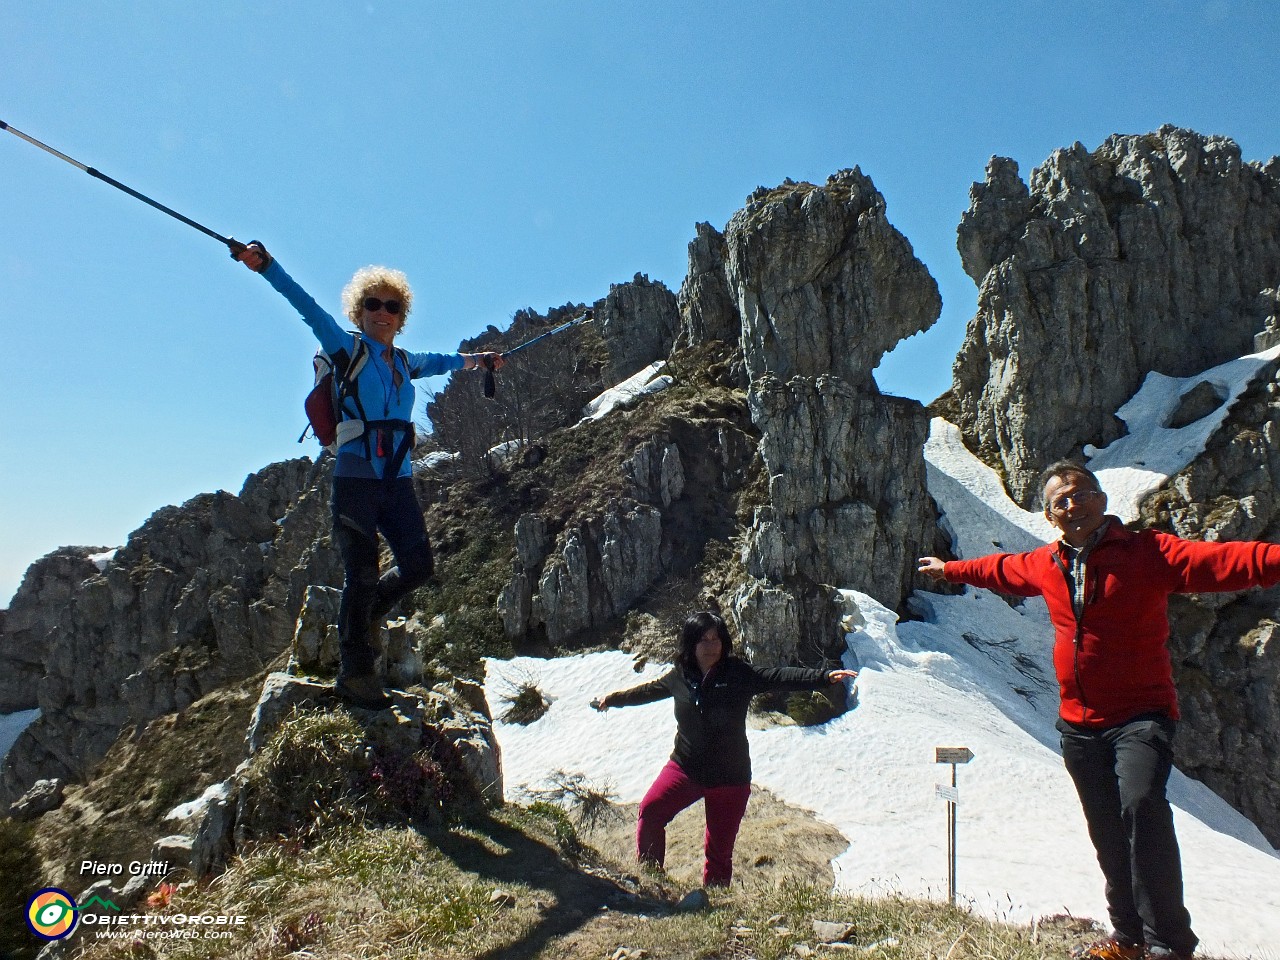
(326, 329)
(1007, 572)
(764, 679)
(649, 692)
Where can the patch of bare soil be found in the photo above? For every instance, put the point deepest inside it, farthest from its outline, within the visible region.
(777, 843)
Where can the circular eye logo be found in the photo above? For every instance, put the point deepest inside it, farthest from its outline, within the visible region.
(51, 914)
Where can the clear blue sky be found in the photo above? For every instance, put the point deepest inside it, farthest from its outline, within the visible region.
(504, 155)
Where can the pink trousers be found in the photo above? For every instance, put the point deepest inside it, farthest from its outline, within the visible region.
(671, 793)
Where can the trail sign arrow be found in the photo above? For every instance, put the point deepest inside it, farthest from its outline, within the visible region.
(952, 755)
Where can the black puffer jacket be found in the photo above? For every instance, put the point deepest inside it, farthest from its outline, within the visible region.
(711, 713)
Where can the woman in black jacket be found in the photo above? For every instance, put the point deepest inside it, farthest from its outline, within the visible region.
(711, 761)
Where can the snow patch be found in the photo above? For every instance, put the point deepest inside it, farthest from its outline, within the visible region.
(433, 460)
(639, 384)
(184, 811)
(100, 560)
(1151, 452)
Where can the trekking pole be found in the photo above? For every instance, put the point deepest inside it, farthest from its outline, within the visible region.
(490, 384)
(235, 246)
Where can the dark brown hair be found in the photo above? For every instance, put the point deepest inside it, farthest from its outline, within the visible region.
(694, 628)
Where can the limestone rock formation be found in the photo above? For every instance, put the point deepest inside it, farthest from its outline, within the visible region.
(638, 321)
(26, 636)
(44, 795)
(846, 485)
(1226, 647)
(600, 567)
(1148, 253)
(823, 281)
(675, 494)
(708, 308)
(197, 597)
(825, 286)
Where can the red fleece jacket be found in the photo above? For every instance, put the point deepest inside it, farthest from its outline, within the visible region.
(1114, 664)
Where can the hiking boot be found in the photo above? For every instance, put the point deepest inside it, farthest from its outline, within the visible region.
(1109, 949)
(1164, 953)
(363, 690)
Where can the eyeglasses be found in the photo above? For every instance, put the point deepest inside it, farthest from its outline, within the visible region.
(1065, 501)
(373, 303)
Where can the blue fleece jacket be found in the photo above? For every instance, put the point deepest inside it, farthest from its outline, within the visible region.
(374, 384)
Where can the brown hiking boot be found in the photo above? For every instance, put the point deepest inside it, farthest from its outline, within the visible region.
(364, 691)
(1109, 949)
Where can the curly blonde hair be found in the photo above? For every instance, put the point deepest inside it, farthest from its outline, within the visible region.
(371, 278)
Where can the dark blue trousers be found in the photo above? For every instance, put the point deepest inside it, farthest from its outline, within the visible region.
(1120, 774)
(361, 510)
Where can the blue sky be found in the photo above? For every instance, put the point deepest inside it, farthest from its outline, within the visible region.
(505, 155)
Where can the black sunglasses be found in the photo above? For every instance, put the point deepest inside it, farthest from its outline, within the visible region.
(373, 303)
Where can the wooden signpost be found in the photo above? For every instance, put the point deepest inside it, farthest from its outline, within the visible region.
(951, 794)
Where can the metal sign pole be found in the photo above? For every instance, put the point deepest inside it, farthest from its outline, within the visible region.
(953, 756)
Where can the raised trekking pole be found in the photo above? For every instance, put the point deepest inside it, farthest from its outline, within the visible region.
(235, 246)
(490, 385)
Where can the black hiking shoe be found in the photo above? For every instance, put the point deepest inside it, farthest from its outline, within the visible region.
(364, 690)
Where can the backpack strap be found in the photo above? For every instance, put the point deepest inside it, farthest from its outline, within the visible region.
(353, 424)
(395, 459)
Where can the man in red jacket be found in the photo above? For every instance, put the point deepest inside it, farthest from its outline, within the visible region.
(1107, 590)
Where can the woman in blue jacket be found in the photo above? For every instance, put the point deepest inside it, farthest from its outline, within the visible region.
(372, 479)
(711, 761)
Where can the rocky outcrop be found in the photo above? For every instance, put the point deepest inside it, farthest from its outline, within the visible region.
(847, 495)
(679, 488)
(708, 308)
(396, 762)
(638, 321)
(44, 795)
(1226, 647)
(825, 285)
(1148, 253)
(27, 633)
(198, 597)
(597, 569)
(823, 281)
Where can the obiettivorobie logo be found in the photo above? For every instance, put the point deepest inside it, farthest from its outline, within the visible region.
(52, 914)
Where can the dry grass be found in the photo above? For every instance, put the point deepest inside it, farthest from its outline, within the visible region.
(524, 701)
(504, 888)
(120, 812)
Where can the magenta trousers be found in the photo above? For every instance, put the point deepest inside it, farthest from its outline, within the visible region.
(671, 793)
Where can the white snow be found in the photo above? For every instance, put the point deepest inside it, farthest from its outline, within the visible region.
(505, 454)
(102, 559)
(639, 384)
(11, 727)
(972, 672)
(433, 460)
(216, 791)
(1151, 451)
